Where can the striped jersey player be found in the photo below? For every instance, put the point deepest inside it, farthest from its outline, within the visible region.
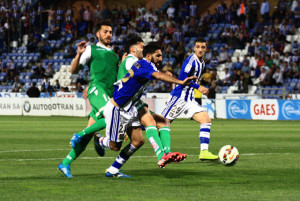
(121, 114)
(182, 98)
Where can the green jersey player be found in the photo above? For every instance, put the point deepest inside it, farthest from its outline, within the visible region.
(103, 64)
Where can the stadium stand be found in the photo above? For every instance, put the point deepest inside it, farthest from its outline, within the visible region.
(240, 41)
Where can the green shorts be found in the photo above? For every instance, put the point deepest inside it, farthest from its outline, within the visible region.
(98, 99)
(140, 105)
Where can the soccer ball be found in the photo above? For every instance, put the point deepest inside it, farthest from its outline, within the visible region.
(228, 155)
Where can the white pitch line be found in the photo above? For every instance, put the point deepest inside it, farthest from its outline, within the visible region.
(35, 150)
(97, 158)
(38, 150)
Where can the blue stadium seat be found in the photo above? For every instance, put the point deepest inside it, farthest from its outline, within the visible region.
(186, 39)
(215, 35)
(56, 55)
(69, 60)
(225, 89)
(45, 62)
(289, 90)
(220, 89)
(19, 65)
(272, 92)
(172, 60)
(25, 64)
(293, 83)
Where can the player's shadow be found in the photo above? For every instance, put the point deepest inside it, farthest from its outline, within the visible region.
(206, 163)
(167, 173)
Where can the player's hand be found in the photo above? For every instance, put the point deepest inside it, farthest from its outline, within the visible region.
(188, 80)
(203, 90)
(84, 93)
(125, 55)
(81, 47)
(169, 73)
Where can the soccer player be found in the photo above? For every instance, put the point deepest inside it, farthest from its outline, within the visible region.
(182, 98)
(148, 117)
(121, 114)
(103, 63)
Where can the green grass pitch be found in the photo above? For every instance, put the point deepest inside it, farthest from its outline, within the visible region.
(268, 168)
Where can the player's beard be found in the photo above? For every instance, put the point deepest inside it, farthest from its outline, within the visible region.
(103, 41)
(158, 64)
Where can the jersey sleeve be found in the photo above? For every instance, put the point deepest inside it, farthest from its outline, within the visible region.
(129, 63)
(187, 68)
(145, 70)
(85, 56)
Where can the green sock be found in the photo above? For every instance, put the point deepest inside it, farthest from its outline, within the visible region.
(98, 125)
(152, 135)
(165, 138)
(74, 153)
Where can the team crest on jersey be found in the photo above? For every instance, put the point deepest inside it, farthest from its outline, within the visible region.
(188, 68)
(137, 65)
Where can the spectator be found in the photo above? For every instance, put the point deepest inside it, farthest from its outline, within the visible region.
(206, 77)
(15, 85)
(78, 87)
(223, 55)
(11, 67)
(269, 61)
(278, 77)
(234, 77)
(184, 10)
(33, 91)
(227, 79)
(237, 65)
(265, 9)
(214, 61)
(49, 71)
(242, 84)
(32, 45)
(167, 67)
(208, 55)
(260, 61)
(262, 76)
(171, 11)
(70, 52)
(193, 9)
(21, 88)
(38, 72)
(245, 67)
(215, 77)
(56, 87)
(288, 47)
(47, 49)
(46, 87)
(88, 19)
(213, 89)
(229, 64)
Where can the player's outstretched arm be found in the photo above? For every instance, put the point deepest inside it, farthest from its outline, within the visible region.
(202, 89)
(167, 78)
(75, 63)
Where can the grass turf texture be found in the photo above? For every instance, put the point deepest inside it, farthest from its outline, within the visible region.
(268, 169)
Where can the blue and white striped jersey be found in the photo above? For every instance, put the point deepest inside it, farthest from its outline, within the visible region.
(191, 67)
(129, 89)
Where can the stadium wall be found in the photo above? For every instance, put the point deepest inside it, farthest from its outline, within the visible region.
(262, 109)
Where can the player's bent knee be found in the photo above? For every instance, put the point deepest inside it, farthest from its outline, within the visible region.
(138, 143)
(202, 117)
(115, 146)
